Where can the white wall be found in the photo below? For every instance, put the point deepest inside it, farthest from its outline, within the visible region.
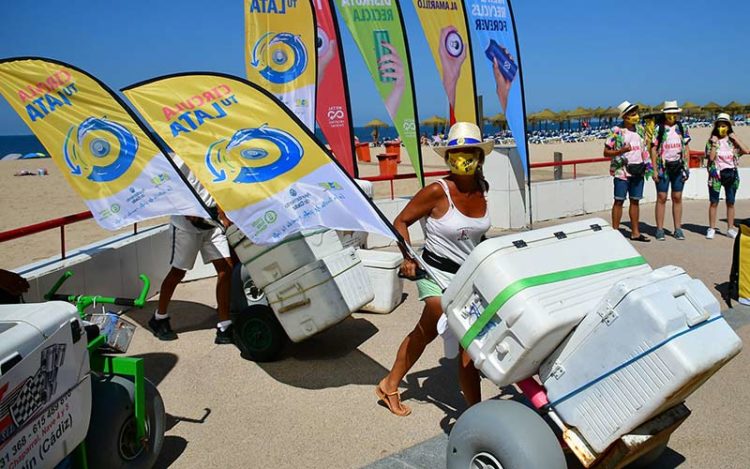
(148, 252)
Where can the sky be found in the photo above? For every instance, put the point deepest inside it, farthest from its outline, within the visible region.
(574, 53)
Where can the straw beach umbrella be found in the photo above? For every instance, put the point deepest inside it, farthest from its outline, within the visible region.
(434, 121)
(376, 125)
(711, 108)
(689, 107)
(734, 107)
(498, 120)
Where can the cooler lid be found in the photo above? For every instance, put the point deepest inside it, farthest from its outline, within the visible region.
(380, 259)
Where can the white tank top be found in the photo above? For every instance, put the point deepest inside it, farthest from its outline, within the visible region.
(454, 235)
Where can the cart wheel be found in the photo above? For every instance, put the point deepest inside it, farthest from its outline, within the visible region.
(111, 440)
(503, 435)
(258, 334)
(648, 459)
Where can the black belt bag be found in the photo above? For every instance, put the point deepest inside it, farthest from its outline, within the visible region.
(440, 263)
(636, 169)
(673, 167)
(728, 175)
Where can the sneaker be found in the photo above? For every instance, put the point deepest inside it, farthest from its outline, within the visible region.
(225, 336)
(732, 233)
(678, 234)
(660, 235)
(710, 233)
(162, 329)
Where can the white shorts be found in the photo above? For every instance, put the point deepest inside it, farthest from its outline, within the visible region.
(212, 244)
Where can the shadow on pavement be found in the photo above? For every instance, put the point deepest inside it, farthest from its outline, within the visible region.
(697, 229)
(158, 365)
(439, 387)
(329, 359)
(171, 449)
(669, 459)
(184, 316)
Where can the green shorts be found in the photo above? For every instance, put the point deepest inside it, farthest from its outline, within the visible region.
(426, 287)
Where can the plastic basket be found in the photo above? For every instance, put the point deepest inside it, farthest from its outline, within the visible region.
(118, 331)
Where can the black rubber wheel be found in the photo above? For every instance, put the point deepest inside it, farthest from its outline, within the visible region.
(258, 334)
(503, 435)
(650, 458)
(111, 441)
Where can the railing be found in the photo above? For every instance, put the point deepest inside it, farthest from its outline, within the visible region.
(82, 216)
(549, 164)
(61, 223)
(393, 177)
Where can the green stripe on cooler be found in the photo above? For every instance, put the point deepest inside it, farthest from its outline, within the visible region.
(553, 277)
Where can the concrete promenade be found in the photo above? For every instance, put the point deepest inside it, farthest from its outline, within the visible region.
(316, 407)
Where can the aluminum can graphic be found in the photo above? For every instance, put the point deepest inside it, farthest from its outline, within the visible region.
(507, 66)
(380, 36)
(454, 44)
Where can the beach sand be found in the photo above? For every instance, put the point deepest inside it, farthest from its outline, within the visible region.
(33, 199)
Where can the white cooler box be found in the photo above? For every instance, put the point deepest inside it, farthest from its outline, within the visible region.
(268, 263)
(320, 294)
(518, 296)
(651, 342)
(382, 269)
(44, 357)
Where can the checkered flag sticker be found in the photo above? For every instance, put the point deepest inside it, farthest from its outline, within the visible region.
(40, 388)
(29, 399)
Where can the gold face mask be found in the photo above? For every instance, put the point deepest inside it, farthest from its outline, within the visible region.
(670, 119)
(632, 119)
(463, 162)
(723, 130)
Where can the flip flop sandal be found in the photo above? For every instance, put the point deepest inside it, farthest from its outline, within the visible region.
(642, 239)
(384, 396)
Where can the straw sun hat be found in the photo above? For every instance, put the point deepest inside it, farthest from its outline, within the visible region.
(671, 107)
(723, 117)
(464, 135)
(625, 107)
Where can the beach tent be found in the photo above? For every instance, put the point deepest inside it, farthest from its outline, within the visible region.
(376, 125)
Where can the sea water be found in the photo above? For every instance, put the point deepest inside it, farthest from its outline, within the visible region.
(19, 144)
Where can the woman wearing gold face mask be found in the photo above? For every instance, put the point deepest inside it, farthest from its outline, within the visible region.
(630, 166)
(724, 150)
(669, 156)
(455, 218)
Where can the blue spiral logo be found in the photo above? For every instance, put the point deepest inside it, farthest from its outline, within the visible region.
(287, 57)
(229, 159)
(100, 149)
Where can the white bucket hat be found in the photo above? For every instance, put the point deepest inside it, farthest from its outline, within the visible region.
(671, 107)
(723, 117)
(465, 135)
(625, 107)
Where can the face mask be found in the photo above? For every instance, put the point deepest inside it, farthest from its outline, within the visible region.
(463, 163)
(650, 125)
(632, 119)
(670, 119)
(723, 130)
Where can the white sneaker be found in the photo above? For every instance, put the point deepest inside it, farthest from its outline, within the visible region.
(732, 233)
(710, 233)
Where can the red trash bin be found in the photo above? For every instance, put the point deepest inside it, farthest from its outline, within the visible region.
(388, 163)
(363, 152)
(394, 147)
(694, 161)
